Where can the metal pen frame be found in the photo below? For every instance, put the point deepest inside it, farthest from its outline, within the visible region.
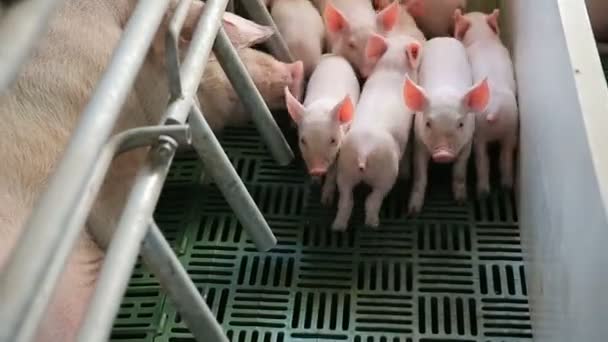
(53, 228)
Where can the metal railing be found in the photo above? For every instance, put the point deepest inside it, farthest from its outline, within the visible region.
(28, 280)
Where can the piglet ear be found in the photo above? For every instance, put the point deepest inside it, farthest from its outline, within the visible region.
(345, 110)
(334, 19)
(478, 97)
(387, 18)
(492, 20)
(294, 107)
(415, 7)
(376, 47)
(414, 96)
(461, 24)
(296, 69)
(414, 51)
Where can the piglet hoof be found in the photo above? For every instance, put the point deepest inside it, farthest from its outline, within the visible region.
(506, 183)
(414, 207)
(339, 226)
(327, 198)
(460, 193)
(483, 190)
(372, 221)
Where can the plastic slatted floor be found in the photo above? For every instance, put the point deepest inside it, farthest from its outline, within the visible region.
(453, 274)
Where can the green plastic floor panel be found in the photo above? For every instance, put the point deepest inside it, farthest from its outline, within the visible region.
(453, 274)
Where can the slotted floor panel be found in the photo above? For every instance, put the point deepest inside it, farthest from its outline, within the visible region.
(455, 273)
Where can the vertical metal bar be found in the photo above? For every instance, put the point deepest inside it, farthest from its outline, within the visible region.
(196, 58)
(172, 47)
(159, 257)
(250, 96)
(45, 229)
(124, 248)
(276, 44)
(21, 25)
(218, 165)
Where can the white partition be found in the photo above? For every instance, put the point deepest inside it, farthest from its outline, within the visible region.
(563, 167)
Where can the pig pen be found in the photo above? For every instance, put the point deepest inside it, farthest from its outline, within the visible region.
(518, 267)
(512, 267)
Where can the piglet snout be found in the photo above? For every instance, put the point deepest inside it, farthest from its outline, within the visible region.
(318, 171)
(443, 156)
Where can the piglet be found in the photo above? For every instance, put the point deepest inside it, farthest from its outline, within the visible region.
(406, 24)
(434, 17)
(444, 124)
(291, 17)
(499, 123)
(323, 118)
(349, 24)
(374, 146)
(220, 102)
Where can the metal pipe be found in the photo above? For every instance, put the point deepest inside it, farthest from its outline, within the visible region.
(250, 96)
(44, 230)
(122, 252)
(160, 259)
(22, 24)
(221, 170)
(196, 58)
(172, 47)
(276, 44)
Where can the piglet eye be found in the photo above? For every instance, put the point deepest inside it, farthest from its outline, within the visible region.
(351, 45)
(428, 124)
(302, 141)
(332, 141)
(460, 124)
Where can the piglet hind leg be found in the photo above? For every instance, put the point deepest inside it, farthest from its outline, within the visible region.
(482, 165)
(421, 164)
(373, 203)
(459, 174)
(507, 152)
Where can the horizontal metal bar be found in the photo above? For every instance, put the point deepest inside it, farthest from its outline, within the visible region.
(221, 170)
(160, 259)
(45, 228)
(276, 44)
(250, 96)
(22, 24)
(122, 252)
(192, 69)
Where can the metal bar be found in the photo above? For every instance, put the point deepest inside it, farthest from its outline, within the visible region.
(250, 96)
(221, 170)
(45, 228)
(276, 44)
(172, 47)
(160, 259)
(196, 58)
(121, 142)
(22, 24)
(122, 252)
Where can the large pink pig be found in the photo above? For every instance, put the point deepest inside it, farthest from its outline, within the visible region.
(434, 17)
(445, 102)
(499, 123)
(39, 114)
(324, 117)
(374, 146)
(349, 24)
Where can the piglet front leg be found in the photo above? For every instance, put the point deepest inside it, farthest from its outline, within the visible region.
(329, 186)
(459, 180)
(507, 150)
(482, 165)
(421, 163)
(345, 205)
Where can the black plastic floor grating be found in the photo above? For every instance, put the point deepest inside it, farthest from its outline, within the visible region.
(453, 274)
